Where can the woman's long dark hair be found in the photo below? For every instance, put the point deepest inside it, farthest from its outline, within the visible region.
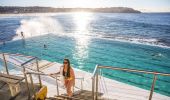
(68, 69)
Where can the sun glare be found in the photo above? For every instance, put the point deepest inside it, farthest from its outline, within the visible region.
(82, 21)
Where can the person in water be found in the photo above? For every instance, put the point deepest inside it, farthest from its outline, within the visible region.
(69, 78)
(157, 55)
(22, 34)
(45, 46)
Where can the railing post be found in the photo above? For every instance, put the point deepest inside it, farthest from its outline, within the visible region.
(93, 87)
(5, 63)
(39, 77)
(94, 82)
(97, 84)
(33, 89)
(152, 87)
(57, 87)
(26, 81)
(81, 85)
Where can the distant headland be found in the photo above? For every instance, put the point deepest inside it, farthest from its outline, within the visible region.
(37, 9)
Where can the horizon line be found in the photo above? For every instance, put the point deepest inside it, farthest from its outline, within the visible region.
(142, 11)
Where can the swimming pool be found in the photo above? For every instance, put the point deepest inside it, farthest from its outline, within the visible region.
(103, 52)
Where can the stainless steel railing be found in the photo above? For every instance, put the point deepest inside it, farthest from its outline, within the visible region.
(21, 66)
(40, 73)
(95, 78)
(26, 72)
(57, 85)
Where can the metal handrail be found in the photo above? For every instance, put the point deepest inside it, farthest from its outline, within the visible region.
(28, 61)
(40, 73)
(5, 64)
(21, 55)
(95, 78)
(24, 69)
(25, 73)
(37, 73)
(134, 70)
(18, 66)
(94, 72)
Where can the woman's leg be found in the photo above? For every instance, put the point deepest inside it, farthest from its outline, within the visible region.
(66, 85)
(69, 86)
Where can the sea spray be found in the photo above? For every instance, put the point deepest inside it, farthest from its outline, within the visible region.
(39, 26)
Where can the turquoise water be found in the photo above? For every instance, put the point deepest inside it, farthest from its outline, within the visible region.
(99, 46)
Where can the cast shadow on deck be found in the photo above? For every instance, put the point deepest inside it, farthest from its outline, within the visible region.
(78, 95)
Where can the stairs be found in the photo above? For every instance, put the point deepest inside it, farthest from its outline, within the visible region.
(78, 95)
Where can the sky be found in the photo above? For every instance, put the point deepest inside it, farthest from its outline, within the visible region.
(142, 5)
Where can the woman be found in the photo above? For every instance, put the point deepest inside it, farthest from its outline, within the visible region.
(69, 77)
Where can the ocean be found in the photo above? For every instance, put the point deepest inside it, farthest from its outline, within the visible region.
(137, 41)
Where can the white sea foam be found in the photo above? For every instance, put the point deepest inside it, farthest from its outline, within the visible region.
(143, 41)
(39, 26)
(136, 40)
(44, 25)
(146, 41)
